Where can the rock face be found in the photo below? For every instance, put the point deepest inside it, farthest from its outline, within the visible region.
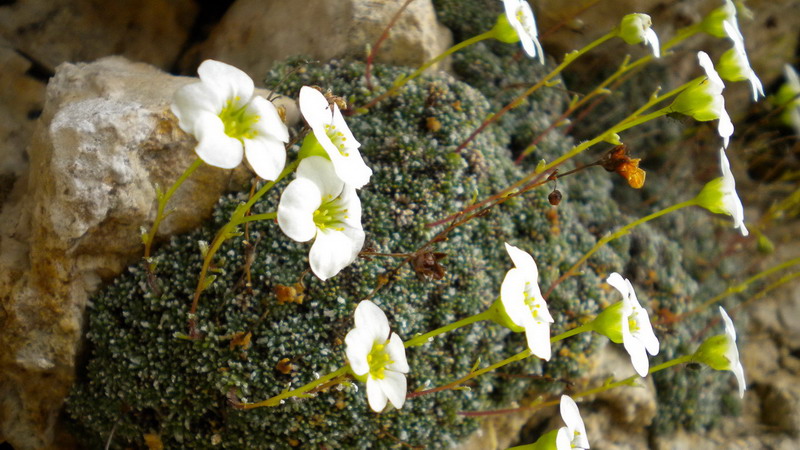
(105, 138)
(253, 34)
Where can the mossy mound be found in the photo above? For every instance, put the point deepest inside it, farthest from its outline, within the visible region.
(142, 380)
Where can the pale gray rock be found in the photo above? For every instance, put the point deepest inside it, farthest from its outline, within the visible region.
(253, 34)
(106, 137)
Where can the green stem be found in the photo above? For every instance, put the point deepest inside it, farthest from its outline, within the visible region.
(276, 400)
(227, 230)
(402, 82)
(425, 338)
(257, 217)
(162, 204)
(569, 333)
(617, 234)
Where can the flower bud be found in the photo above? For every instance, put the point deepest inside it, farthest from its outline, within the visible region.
(712, 24)
(635, 29)
(503, 31)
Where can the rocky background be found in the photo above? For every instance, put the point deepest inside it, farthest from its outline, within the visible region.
(86, 136)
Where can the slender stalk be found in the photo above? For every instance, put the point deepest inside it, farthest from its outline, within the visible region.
(568, 59)
(605, 387)
(402, 82)
(228, 230)
(384, 35)
(741, 286)
(425, 338)
(617, 234)
(301, 391)
(162, 204)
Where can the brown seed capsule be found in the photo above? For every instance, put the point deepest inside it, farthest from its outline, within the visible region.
(285, 366)
(555, 197)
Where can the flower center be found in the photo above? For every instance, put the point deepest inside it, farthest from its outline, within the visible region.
(531, 302)
(633, 324)
(238, 124)
(330, 214)
(378, 359)
(337, 138)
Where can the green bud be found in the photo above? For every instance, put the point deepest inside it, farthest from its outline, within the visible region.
(312, 147)
(712, 24)
(698, 102)
(503, 31)
(632, 28)
(499, 316)
(712, 353)
(730, 67)
(609, 323)
(711, 197)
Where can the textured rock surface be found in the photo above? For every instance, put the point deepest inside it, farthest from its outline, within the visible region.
(106, 136)
(51, 32)
(253, 34)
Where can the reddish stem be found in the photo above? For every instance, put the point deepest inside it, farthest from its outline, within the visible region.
(379, 42)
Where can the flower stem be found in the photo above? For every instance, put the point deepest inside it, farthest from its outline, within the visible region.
(605, 387)
(617, 234)
(568, 59)
(162, 204)
(425, 338)
(402, 81)
(569, 333)
(299, 392)
(229, 230)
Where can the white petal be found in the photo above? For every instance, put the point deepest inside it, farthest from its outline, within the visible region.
(738, 370)
(351, 169)
(266, 155)
(636, 349)
(193, 100)
(562, 439)
(214, 146)
(370, 317)
(512, 294)
(320, 171)
(349, 201)
(233, 84)
(375, 395)
(394, 386)
(333, 251)
(651, 38)
(725, 126)
(729, 329)
(296, 210)
(269, 121)
(646, 334)
(572, 419)
(523, 261)
(358, 344)
(619, 283)
(341, 126)
(708, 66)
(314, 107)
(538, 337)
(397, 353)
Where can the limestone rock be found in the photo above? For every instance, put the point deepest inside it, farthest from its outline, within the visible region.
(253, 34)
(103, 141)
(21, 99)
(55, 31)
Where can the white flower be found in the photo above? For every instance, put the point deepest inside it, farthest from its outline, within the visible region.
(574, 433)
(719, 195)
(317, 204)
(637, 332)
(720, 352)
(635, 28)
(229, 122)
(524, 304)
(704, 101)
(330, 129)
(734, 65)
(520, 17)
(378, 355)
(732, 352)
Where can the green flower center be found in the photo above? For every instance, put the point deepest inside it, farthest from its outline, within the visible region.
(337, 138)
(378, 359)
(330, 214)
(238, 124)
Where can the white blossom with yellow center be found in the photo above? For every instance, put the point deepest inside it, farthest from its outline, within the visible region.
(524, 303)
(333, 134)
(637, 332)
(318, 205)
(377, 354)
(229, 122)
(573, 435)
(520, 17)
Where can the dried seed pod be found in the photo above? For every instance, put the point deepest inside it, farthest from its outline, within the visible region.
(555, 197)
